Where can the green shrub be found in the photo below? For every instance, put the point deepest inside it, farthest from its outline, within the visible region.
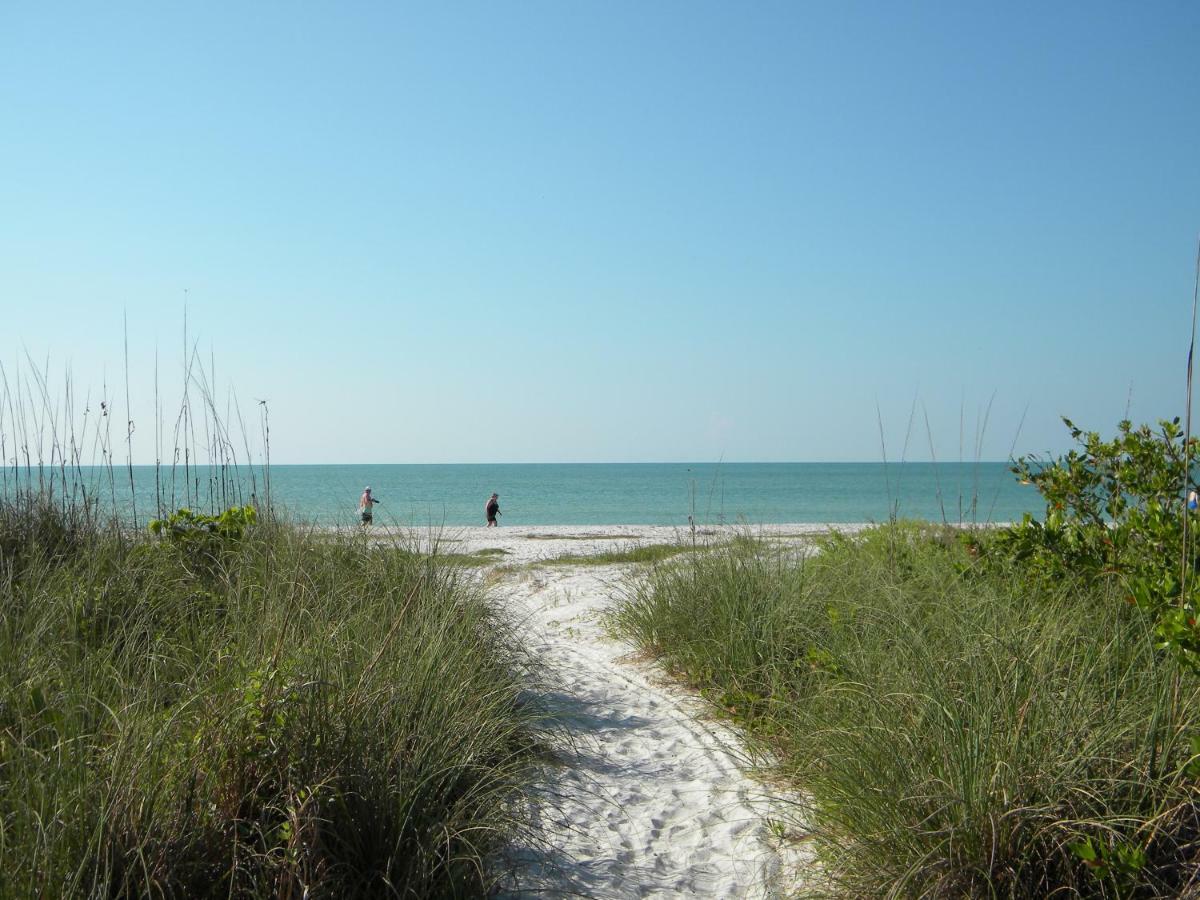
(958, 729)
(1116, 514)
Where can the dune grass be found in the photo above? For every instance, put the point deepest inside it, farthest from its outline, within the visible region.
(645, 553)
(266, 716)
(485, 556)
(584, 536)
(958, 731)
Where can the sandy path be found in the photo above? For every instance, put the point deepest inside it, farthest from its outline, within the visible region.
(652, 800)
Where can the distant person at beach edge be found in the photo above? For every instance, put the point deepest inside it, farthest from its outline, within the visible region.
(366, 506)
(492, 509)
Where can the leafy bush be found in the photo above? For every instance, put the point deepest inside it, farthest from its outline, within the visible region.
(185, 526)
(200, 540)
(1115, 513)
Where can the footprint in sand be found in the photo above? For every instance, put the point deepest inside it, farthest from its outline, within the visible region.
(655, 797)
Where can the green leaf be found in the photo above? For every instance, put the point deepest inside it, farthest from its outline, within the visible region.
(1084, 850)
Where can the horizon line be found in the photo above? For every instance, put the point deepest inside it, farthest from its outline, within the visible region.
(727, 462)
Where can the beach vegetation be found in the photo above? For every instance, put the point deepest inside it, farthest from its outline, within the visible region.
(977, 713)
(1117, 514)
(581, 536)
(208, 701)
(241, 709)
(485, 556)
(644, 553)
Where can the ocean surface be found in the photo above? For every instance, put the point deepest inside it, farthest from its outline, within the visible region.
(577, 494)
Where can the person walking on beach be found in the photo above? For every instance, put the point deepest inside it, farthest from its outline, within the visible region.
(492, 509)
(366, 506)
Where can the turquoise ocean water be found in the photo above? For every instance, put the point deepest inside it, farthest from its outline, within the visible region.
(592, 494)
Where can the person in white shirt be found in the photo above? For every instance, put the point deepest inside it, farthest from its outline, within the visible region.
(366, 505)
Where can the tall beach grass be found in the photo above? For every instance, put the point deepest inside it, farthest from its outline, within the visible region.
(956, 733)
(283, 717)
(261, 712)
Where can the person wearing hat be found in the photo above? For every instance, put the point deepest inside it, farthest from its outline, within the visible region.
(492, 509)
(366, 505)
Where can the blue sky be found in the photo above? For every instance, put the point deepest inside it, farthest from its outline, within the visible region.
(604, 231)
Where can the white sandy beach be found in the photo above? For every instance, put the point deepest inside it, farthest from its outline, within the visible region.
(656, 798)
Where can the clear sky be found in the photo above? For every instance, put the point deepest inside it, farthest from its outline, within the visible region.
(600, 231)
